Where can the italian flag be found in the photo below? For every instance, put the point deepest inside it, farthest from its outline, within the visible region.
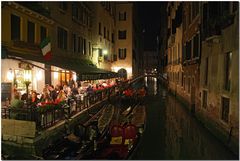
(46, 48)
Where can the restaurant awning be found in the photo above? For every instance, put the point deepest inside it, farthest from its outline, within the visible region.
(82, 67)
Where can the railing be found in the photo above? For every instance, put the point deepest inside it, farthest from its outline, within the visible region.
(50, 117)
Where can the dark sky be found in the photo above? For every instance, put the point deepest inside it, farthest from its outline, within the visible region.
(150, 15)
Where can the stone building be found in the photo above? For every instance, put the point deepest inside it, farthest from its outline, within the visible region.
(68, 25)
(127, 43)
(174, 67)
(204, 69)
(103, 33)
(191, 52)
(219, 70)
(23, 30)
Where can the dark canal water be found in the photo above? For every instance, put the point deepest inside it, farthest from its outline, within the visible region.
(171, 132)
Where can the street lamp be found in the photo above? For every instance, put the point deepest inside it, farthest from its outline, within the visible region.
(105, 52)
(27, 77)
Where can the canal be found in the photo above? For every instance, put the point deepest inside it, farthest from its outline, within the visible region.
(171, 132)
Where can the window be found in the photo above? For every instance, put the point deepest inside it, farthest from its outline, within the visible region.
(188, 50)
(84, 46)
(89, 48)
(122, 34)
(100, 28)
(63, 6)
(122, 53)
(196, 42)
(75, 11)
(184, 52)
(206, 72)
(112, 37)
(122, 16)
(225, 109)
(62, 38)
(204, 99)
(79, 45)
(100, 53)
(189, 84)
(31, 32)
(104, 32)
(114, 57)
(15, 27)
(43, 33)
(108, 34)
(74, 42)
(105, 57)
(227, 70)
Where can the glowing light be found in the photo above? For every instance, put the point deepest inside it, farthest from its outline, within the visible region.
(10, 75)
(39, 75)
(27, 75)
(105, 52)
(55, 75)
(74, 76)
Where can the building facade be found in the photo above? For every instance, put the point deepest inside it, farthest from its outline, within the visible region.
(125, 37)
(191, 52)
(219, 69)
(174, 67)
(103, 33)
(202, 63)
(83, 36)
(22, 33)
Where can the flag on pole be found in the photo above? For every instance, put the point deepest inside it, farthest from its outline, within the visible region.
(46, 48)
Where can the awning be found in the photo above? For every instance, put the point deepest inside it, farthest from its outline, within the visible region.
(80, 66)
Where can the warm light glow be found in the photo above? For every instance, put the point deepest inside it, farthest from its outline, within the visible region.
(39, 75)
(27, 75)
(128, 69)
(116, 69)
(105, 52)
(74, 76)
(55, 75)
(155, 79)
(10, 75)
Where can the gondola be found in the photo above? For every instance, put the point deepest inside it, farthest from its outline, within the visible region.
(106, 135)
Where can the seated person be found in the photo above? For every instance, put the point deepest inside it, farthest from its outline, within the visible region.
(33, 100)
(46, 98)
(61, 96)
(16, 102)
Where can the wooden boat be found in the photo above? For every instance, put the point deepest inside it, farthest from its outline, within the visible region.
(103, 137)
(124, 137)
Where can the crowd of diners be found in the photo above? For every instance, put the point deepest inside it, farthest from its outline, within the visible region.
(59, 93)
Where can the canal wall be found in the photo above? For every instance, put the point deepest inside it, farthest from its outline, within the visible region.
(21, 139)
(226, 137)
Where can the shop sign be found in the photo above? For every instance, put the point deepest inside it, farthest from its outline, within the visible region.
(23, 65)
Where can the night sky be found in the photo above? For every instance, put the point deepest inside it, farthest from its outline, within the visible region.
(151, 17)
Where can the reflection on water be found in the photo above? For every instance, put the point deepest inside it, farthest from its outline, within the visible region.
(188, 139)
(184, 137)
(151, 83)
